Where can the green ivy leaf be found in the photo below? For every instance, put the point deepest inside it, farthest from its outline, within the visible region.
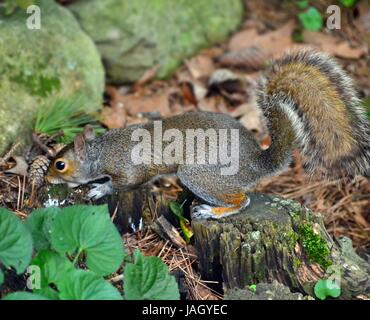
(85, 285)
(149, 278)
(22, 295)
(15, 242)
(39, 222)
(88, 229)
(1, 277)
(311, 19)
(348, 3)
(327, 288)
(52, 267)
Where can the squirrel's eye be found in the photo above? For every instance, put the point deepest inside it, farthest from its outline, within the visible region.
(60, 165)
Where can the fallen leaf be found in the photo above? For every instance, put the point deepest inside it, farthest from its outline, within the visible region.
(188, 94)
(113, 117)
(271, 44)
(20, 168)
(208, 104)
(146, 77)
(138, 104)
(200, 66)
(332, 45)
(251, 58)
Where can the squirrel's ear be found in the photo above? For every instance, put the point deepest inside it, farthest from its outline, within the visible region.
(80, 147)
(88, 132)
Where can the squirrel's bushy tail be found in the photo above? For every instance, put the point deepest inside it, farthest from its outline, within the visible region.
(310, 102)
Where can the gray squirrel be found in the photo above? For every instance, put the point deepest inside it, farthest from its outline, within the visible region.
(307, 101)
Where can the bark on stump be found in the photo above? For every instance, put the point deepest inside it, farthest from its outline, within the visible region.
(277, 239)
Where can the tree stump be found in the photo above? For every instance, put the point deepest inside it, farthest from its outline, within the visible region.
(277, 239)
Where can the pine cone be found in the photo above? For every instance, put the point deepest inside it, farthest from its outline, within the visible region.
(37, 170)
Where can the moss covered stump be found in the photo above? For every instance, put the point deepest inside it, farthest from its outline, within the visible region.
(277, 239)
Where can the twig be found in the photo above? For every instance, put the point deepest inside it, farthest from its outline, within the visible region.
(50, 152)
(9, 154)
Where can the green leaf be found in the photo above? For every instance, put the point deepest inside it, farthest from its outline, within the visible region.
(177, 209)
(253, 288)
(24, 296)
(24, 4)
(302, 4)
(48, 292)
(1, 277)
(52, 267)
(39, 222)
(327, 288)
(85, 285)
(311, 19)
(149, 279)
(348, 3)
(88, 229)
(15, 242)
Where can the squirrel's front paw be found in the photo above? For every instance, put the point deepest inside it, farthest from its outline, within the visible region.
(100, 190)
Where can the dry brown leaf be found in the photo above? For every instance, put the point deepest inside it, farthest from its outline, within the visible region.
(137, 104)
(208, 104)
(114, 117)
(243, 39)
(147, 76)
(271, 44)
(333, 45)
(200, 66)
(20, 168)
(251, 58)
(363, 21)
(187, 91)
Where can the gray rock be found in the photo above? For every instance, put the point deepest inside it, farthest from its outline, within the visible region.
(36, 65)
(133, 36)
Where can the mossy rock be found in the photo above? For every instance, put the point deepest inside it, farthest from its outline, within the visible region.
(134, 36)
(38, 64)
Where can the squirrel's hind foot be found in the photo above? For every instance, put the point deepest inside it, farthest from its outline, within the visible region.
(205, 211)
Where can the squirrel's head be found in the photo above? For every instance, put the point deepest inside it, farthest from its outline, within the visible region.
(71, 165)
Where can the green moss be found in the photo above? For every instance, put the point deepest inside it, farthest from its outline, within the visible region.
(38, 84)
(316, 248)
(291, 239)
(296, 263)
(59, 191)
